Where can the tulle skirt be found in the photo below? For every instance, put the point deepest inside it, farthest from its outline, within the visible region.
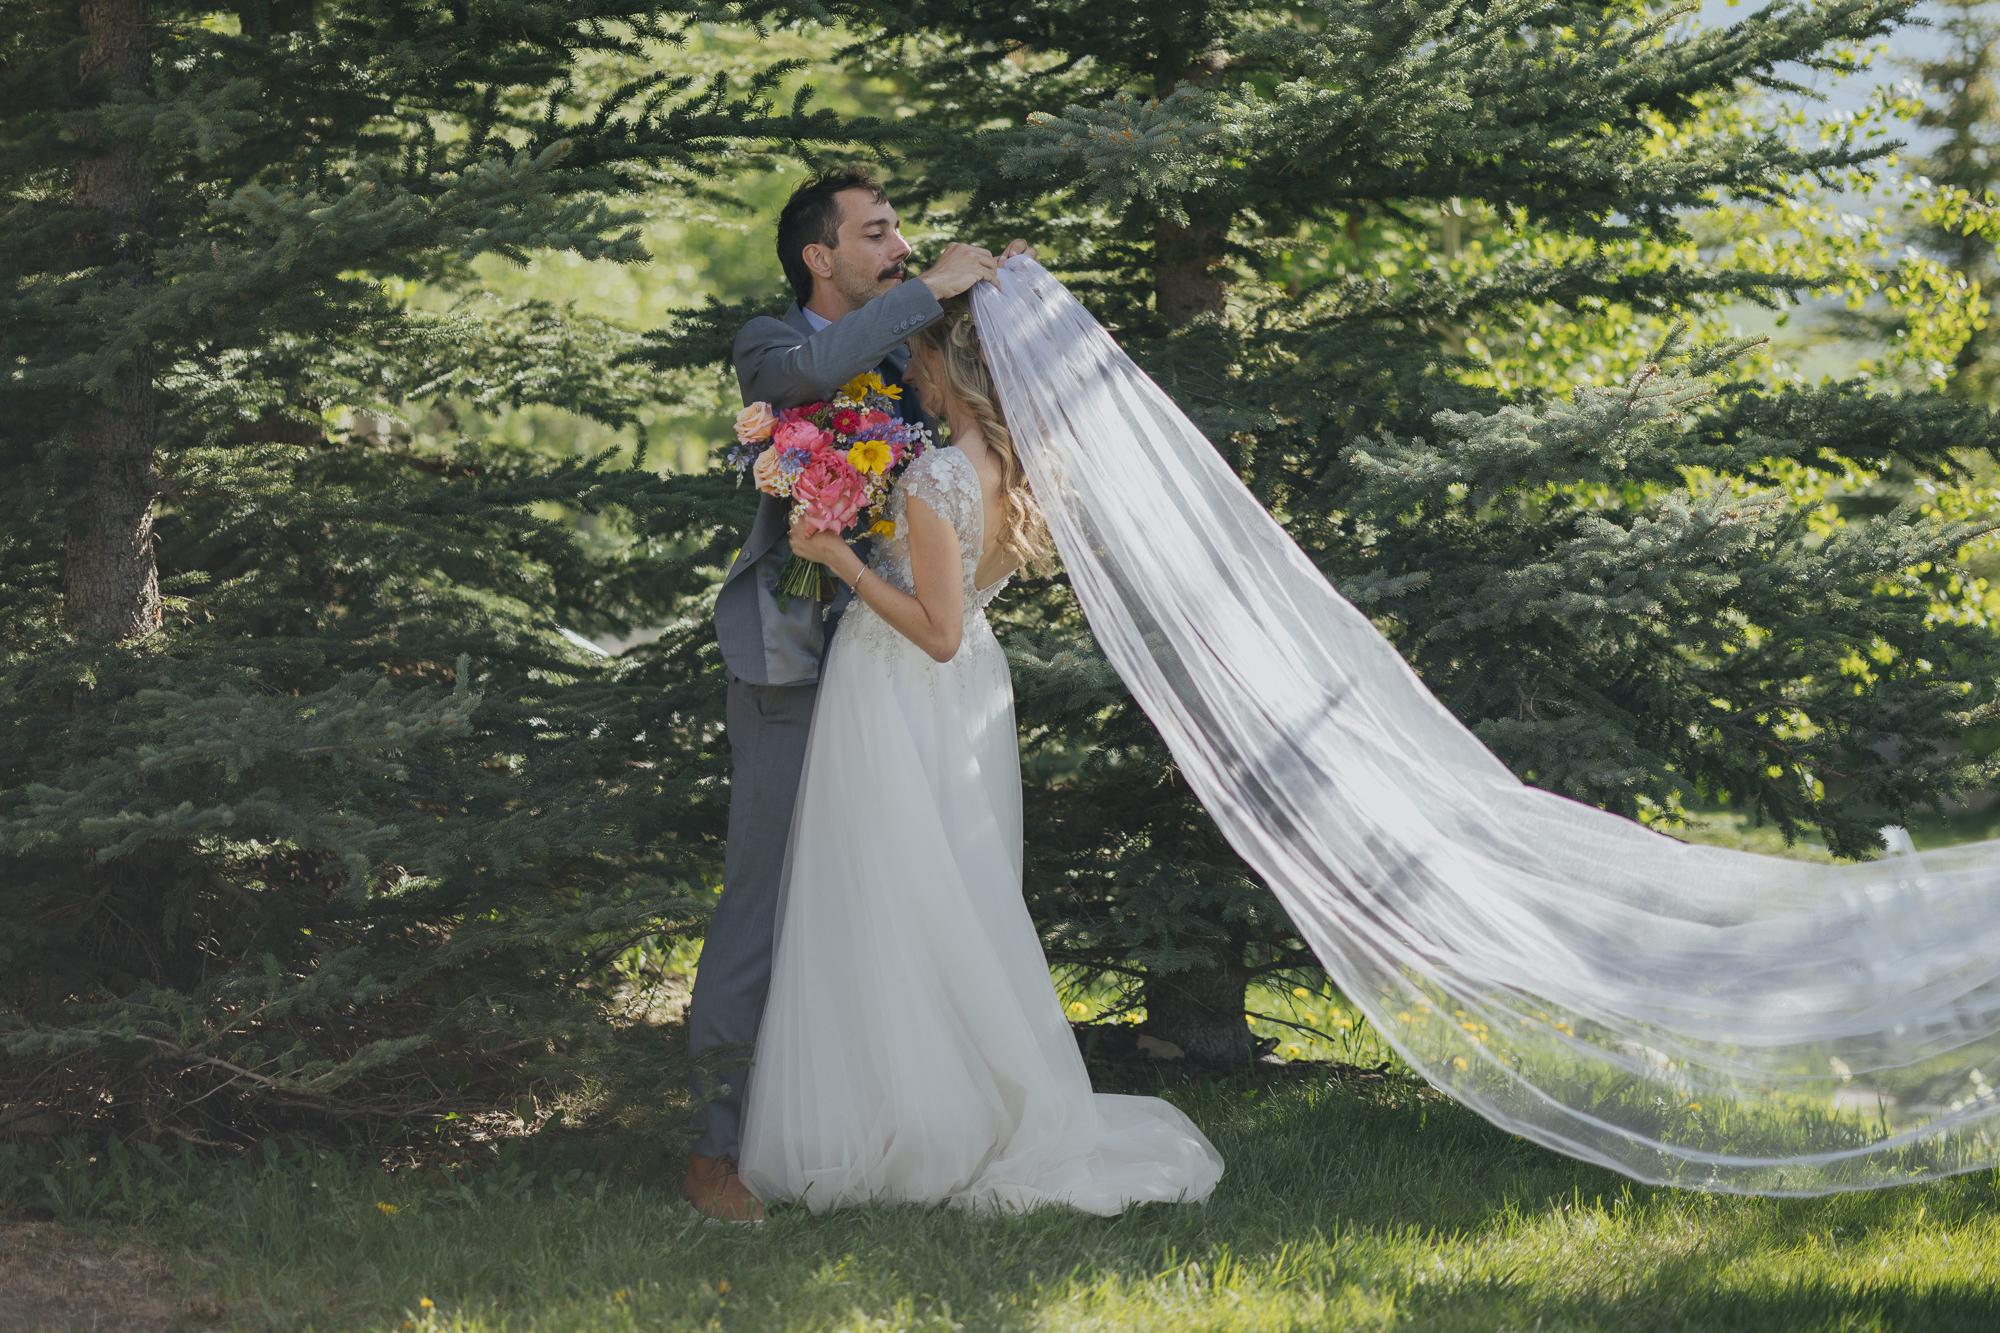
(912, 1047)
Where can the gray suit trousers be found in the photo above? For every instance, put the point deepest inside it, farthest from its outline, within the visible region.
(767, 726)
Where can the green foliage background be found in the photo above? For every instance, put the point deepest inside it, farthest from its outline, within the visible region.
(365, 841)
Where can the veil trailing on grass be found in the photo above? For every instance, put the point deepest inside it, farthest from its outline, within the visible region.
(1688, 1015)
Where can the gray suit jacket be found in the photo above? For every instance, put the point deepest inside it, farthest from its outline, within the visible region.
(783, 362)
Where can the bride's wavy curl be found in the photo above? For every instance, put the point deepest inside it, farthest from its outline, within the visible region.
(960, 365)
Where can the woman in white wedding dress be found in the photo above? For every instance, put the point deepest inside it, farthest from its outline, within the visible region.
(913, 1047)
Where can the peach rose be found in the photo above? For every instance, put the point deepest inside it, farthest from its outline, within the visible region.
(754, 423)
(766, 471)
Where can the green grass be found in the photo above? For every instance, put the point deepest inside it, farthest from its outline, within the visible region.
(1350, 1201)
(1362, 1203)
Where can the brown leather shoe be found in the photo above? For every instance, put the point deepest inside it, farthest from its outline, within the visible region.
(716, 1191)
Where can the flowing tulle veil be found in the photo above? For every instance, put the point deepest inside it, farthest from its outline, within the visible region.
(1687, 1015)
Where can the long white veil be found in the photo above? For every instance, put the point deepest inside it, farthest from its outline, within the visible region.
(1687, 1015)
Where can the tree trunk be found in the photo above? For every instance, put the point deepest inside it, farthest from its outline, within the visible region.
(111, 587)
(1201, 1010)
(1188, 277)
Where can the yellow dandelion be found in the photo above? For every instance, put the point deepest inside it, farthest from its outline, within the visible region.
(1458, 1062)
(1694, 1106)
(388, 1209)
(1302, 992)
(622, 1293)
(1293, 1048)
(1402, 1015)
(424, 1303)
(1077, 1008)
(722, 1287)
(869, 456)
(1342, 1021)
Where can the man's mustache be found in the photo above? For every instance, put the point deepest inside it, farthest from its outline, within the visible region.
(896, 272)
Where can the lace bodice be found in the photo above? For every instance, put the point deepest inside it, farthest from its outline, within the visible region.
(949, 483)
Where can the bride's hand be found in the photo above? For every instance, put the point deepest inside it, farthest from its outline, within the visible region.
(1017, 246)
(820, 547)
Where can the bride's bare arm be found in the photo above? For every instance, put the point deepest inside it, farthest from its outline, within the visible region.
(934, 619)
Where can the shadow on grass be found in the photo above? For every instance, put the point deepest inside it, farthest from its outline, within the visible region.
(1350, 1197)
(1424, 1214)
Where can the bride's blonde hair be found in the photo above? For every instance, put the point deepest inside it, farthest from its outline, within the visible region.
(961, 366)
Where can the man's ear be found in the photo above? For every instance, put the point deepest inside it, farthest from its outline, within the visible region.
(819, 259)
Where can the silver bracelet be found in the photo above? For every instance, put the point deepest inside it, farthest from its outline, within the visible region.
(855, 587)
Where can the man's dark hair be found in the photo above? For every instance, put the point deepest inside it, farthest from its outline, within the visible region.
(812, 215)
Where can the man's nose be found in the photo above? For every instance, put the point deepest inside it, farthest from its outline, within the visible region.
(900, 251)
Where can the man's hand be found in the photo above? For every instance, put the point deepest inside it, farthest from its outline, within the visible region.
(958, 268)
(1017, 246)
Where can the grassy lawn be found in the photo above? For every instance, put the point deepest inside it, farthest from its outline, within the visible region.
(1352, 1200)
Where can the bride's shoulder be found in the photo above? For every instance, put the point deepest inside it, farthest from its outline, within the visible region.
(943, 478)
(940, 458)
(941, 464)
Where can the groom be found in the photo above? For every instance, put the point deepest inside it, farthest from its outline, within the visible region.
(846, 261)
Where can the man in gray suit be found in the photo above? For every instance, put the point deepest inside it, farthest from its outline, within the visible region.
(846, 261)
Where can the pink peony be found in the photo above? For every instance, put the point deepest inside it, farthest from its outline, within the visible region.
(831, 489)
(800, 435)
(754, 423)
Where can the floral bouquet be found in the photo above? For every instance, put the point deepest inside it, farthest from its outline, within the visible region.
(836, 460)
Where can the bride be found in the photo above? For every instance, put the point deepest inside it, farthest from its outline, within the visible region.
(912, 1047)
(1689, 1015)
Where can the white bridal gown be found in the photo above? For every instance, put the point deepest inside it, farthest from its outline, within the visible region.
(912, 1047)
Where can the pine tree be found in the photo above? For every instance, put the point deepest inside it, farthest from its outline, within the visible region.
(1968, 158)
(314, 814)
(1422, 273)
(1960, 97)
